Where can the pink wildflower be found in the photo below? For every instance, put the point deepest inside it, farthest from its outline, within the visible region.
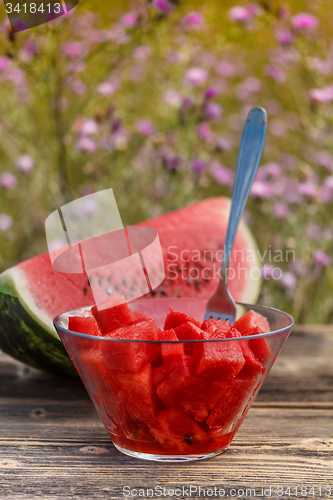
(195, 77)
(193, 20)
(304, 21)
(6, 222)
(25, 163)
(8, 180)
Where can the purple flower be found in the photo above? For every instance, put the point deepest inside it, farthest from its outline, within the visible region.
(213, 111)
(269, 271)
(142, 53)
(226, 69)
(281, 210)
(88, 127)
(284, 37)
(276, 73)
(222, 174)
(321, 258)
(28, 51)
(249, 86)
(273, 169)
(25, 163)
(79, 87)
(129, 20)
(6, 222)
(288, 280)
(205, 132)
(318, 96)
(195, 77)
(193, 20)
(329, 181)
(325, 194)
(145, 127)
(198, 165)
(304, 21)
(120, 138)
(240, 14)
(72, 49)
(109, 87)
(86, 144)
(8, 180)
(308, 189)
(324, 67)
(261, 189)
(4, 61)
(173, 98)
(211, 92)
(324, 159)
(224, 143)
(314, 232)
(162, 6)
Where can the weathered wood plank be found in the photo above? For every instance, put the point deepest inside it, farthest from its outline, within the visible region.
(70, 457)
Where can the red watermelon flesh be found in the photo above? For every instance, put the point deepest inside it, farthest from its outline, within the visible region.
(217, 359)
(176, 431)
(131, 356)
(170, 350)
(175, 319)
(252, 320)
(86, 325)
(259, 346)
(138, 392)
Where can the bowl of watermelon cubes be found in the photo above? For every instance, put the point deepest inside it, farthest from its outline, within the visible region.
(167, 385)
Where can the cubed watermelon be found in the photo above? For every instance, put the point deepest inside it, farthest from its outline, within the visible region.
(252, 320)
(259, 346)
(175, 319)
(217, 359)
(170, 350)
(220, 325)
(87, 325)
(176, 431)
(110, 318)
(138, 392)
(131, 356)
(139, 316)
(232, 404)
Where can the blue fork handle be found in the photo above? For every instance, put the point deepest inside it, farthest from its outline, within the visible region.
(249, 155)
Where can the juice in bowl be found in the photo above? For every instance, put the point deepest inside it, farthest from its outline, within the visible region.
(166, 385)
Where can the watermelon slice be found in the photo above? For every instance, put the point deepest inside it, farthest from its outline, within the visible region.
(175, 318)
(32, 293)
(170, 350)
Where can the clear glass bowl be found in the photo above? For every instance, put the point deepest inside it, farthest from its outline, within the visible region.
(186, 410)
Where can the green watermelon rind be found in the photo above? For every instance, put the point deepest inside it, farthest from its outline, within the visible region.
(24, 339)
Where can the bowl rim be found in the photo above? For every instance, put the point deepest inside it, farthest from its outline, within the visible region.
(58, 318)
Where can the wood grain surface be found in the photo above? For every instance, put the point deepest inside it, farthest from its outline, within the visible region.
(53, 446)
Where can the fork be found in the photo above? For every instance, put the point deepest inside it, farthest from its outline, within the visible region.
(221, 305)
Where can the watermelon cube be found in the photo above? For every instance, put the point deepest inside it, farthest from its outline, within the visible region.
(176, 431)
(137, 392)
(175, 319)
(173, 377)
(222, 326)
(252, 320)
(259, 346)
(139, 316)
(217, 359)
(110, 318)
(189, 331)
(170, 350)
(232, 404)
(131, 356)
(87, 325)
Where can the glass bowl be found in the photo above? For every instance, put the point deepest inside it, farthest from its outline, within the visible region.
(188, 408)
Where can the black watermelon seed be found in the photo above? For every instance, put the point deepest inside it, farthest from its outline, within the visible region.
(85, 289)
(100, 281)
(152, 293)
(124, 283)
(188, 438)
(109, 280)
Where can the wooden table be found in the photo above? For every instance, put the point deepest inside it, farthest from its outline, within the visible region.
(52, 444)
